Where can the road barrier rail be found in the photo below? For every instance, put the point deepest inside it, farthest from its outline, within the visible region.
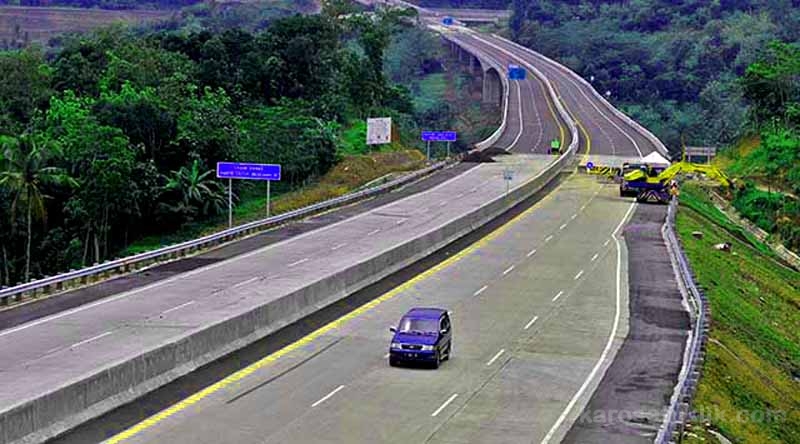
(679, 408)
(138, 262)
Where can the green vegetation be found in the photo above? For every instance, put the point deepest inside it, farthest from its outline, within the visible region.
(445, 95)
(768, 166)
(348, 175)
(114, 137)
(674, 66)
(750, 388)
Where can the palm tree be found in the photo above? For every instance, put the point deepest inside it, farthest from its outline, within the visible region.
(198, 189)
(24, 173)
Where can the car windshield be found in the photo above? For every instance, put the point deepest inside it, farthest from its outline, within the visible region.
(410, 325)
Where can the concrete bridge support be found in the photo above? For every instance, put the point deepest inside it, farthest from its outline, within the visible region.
(492, 82)
(492, 87)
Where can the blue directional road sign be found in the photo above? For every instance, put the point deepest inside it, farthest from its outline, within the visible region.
(252, 171)
(447, 21)
(515, 72)
(589, 165)
(439, 136)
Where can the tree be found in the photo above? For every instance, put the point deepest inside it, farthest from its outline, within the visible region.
(199, 190)
(26, 173)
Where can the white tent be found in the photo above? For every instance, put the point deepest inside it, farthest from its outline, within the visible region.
(655, 159)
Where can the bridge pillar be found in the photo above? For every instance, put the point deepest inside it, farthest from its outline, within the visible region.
(475, 65)
(492, 87)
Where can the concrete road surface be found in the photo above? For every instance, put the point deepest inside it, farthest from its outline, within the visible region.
(78, 342)
(538, 310)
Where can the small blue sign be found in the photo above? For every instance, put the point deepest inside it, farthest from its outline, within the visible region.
(515, 72)
(448, 21)
(252, 171)
(589, 165)
(439, 136)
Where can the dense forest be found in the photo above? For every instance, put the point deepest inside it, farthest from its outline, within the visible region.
(115, 136)
(672, 65)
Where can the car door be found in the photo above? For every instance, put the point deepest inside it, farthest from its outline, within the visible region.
(445, 326)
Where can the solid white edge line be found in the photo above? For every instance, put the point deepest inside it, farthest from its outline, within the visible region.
(528, 325)
(494, 358)
(326, 397)
(560, 293)
(521, 120)
(609, 343)
(446, 403)
(508, 270)
(77, 344)
(481, 290)
(178, 307)
(578, 276)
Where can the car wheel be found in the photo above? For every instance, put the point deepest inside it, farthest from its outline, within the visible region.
(449, 351)
(393, 362)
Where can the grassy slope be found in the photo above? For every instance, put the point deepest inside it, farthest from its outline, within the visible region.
(348, 175)
(753, 361)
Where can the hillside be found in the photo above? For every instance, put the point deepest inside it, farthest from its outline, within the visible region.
(750, 386)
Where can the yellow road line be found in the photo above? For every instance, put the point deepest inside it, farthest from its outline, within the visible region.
(243, 373)
(579, 124)
(547, 99)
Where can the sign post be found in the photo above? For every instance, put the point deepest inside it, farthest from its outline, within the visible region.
(439, 136)
(247, 171)
(508, 176)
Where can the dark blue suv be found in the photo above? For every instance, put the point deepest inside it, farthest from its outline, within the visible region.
(423, 335)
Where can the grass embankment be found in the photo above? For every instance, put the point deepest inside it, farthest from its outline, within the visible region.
(350, 174)
(750, 386)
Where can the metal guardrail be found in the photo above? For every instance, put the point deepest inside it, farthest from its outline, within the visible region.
(84, 276)
(700, 314)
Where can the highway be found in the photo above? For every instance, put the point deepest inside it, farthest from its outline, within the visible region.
(609, 135)
(531, 320)
(539, 308)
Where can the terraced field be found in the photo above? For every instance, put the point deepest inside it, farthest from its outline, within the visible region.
(41, 23)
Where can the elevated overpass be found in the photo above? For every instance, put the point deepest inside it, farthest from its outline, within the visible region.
(539, 305)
